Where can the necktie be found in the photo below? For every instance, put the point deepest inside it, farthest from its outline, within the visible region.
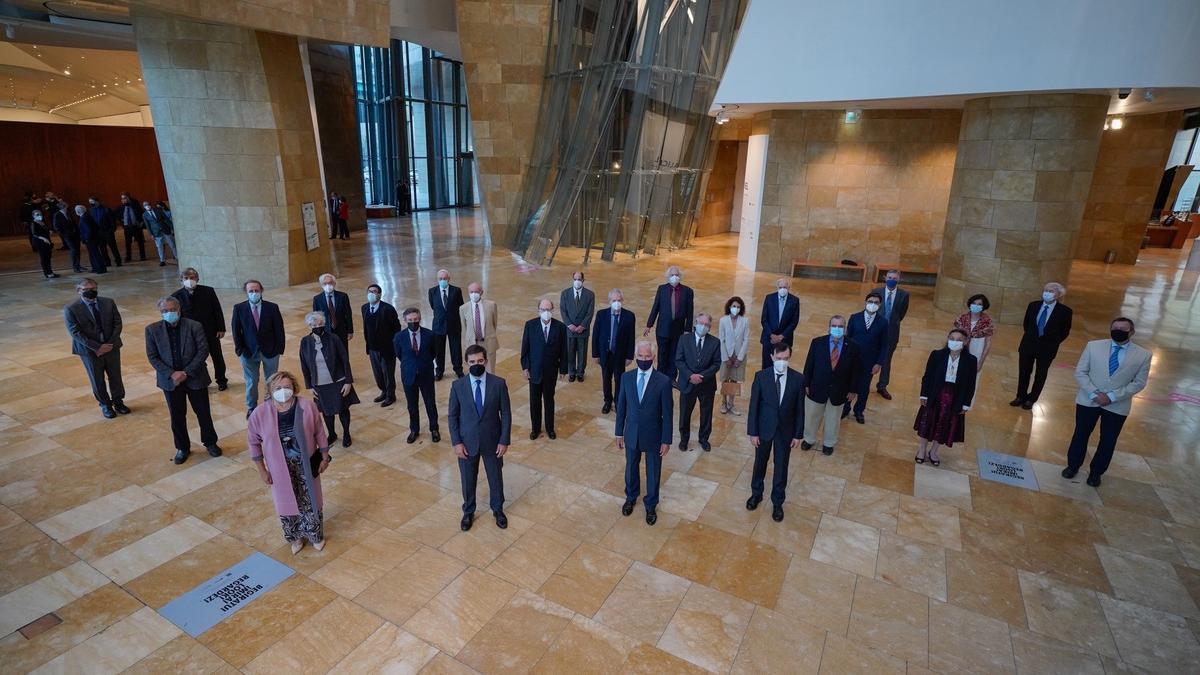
(478, 324)
(1041, 320)
(699, 342)
(887, 306)
(373, 308)
(674, 301)
(1113, 362)
(478, 398)
(254, 310)
(835, 354)
(576, 296)
(868, 318)
(545, 332)
(641, 384)
(782, 306)
(612, 333)
(779, 388)
(94, 310)
(445, 300)
(415, 348)
(332, 314)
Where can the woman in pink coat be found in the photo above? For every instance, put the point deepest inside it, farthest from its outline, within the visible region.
(285, 435)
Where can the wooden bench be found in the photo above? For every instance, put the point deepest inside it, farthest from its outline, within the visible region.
(912, 275)
(830, 271)
(381, 211)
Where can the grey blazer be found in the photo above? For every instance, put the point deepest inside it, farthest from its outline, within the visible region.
(193, 350)
(1130, 378)
(85, 332)
(577, 313)
(705, 362)
(480, 432)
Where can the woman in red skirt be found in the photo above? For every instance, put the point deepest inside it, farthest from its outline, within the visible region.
(947, 389)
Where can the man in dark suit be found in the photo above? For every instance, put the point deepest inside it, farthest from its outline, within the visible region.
(480, 422)
(200, 303)
(1047, 325)
(106, 226)
(576, 305)
(780, 316)
(869, 332)
(644, 411)
(670, 317)
(91, 238)
(339, 318)
(129, 214)
(414, 348)
(829, 374)
(895, 308)
(94, 325)
(697, 360)
(258, 338)
(445, 300)
(612, 345)
(177, 348)
(380, 325)
(775, 425)
(68, 231)
(543, 362)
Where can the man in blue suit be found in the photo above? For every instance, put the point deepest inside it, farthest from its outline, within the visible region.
(829, 371)
(336, 305)
(480, 422)
(670, 317)
(445, 299)
(414, 348)
(258, 338)
(780, 316)
(644, 414)
(544, 363)
(775, 425)
(612, 345)
(869, 331)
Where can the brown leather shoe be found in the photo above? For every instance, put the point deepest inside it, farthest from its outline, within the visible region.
(883, 392)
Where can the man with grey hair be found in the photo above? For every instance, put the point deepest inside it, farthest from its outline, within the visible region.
(178, 349)
(1047, 324)
(894, 309)
(829, 373)
(445, 299)
(697, 360)
(612, 345)
(544, 363)
(644, 411)
(339, 317)
(671, 317)
(94, 324)
(480, 322)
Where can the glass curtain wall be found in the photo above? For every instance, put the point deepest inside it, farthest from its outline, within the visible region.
(623, 127)
(414, 125)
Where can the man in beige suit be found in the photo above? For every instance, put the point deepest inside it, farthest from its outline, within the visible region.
(479, 323)
(1110, 373)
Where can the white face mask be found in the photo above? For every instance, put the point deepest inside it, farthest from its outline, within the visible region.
(735, 310)
(282, 395)
(780, 366)
(700, 329)
(954, 345)
(1047, 297)
(372, 298)
(328, 288)
(189, 284)
(475, 295)
(577, 284)
(872, 307)
(673, 279)
(616, 305)
(544, 314)
(783, 292)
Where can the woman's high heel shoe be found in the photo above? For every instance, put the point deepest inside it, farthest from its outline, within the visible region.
(935, 462)
(919, 459)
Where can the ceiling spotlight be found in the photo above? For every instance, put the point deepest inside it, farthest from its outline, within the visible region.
(1117, 123)
(66, 71)
(1148, 96)
(616, 166)
(852, 115)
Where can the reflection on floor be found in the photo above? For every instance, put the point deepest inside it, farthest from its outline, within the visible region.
(879, 566)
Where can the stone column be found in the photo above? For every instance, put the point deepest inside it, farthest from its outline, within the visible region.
(337, 123)
(1021, 180)
(235, 132)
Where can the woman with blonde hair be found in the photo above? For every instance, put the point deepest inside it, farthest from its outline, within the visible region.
(286, 437)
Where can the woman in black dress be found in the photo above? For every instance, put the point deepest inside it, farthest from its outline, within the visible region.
(326, 368)
(947, 389)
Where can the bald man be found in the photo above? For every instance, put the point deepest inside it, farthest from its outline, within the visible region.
(478, 317)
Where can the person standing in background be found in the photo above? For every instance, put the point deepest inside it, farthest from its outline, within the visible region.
(895, 307)
(576, 305)
(163, 231)
(335, 305)
(1047, 325)
(775, 424)
(414, 348)
(258, 338)
(446, 300)
(90, 236)
(780, 316)
(129, 214)
(94, 324)
(403, 199)
(201, 304)
(947, 389)
(479, 321)
(380, 325)
(325, 365)
(543, 362)
(106, 226)
(39, 234)
(735, 346)
(977, 324)
(613, 345)
(68, 230)
(829, 375)
(673, 301)
(343, 217)
(869, 332)
(697, 360)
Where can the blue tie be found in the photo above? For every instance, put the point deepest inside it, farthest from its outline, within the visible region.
(1042, 319)
(1113, 363)
(641, 385)
(478, 398)
(887, 306)
(612, 333)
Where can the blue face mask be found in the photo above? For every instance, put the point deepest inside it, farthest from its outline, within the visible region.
(443, 284)
(254, 296)
(836, 331)
(891, 283)
(976, 309)
(1047, 297)
(170, 317)
(372, 298)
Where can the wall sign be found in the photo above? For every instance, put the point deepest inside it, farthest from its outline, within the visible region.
(312, 238)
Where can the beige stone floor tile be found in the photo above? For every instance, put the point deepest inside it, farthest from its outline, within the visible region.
(890, 619)
(887, 473)
(643, 602)
(726, 509)
(585, 647)
(435, 525)
(185, 571)
(930, 522)
(95, 513)
(939, 485)
(182, 655)
(531, 560)
(260, 624)
(484, 542)
(1067, 613)
(818, 490)
(1132, 495)
(685, 495)
(694, 551)
(120, 646)
(425, 574)
(846, 463)
(981, 583)
(818, 594)
(869, 505)
(585, 579)
(1151, 639)
(794, 534)
(1138, 534)
(1065, 558)
(632, 538)
(319, 642)
(456, 614)
(776, 643)
(47, 594)
(149, 552)
(1182, 504)
(963, 641)
(30, 555)
(914, 565)
(382, 550)
(591, 515)
(650, 660)
(707, 628)
(1146, 581)
(518, 636)
(843, 655)
(719, 466)
(389, 649)
(752, 571)
(846, 544)
(81, 619)
(546, 500)
(194, 477)
(1188, 541)
(1039, 654)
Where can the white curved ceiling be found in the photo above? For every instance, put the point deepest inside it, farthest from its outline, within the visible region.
(68, 83)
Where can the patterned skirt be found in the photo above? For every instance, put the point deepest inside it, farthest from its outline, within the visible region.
(310, 523)
(937, 421)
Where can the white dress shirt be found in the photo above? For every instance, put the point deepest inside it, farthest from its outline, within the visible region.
(952, 368)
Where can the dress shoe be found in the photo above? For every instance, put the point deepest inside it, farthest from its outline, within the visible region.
(579, 377)
(501, 520)
(1093, 479)
(387, 402)
(706, 446)
(826, 450)
(331, 438)
(346, 440)
(1027, 405)
(213, 449)
(162, 264)
(108, 412)
(534, 434)
(627, 508)
(753, 502)
(437, 377)
(412, 437)
(777, 513)
(805, 445)
(570, 378)
(606, 409)
(883, 393)
(222, 386)
(683, 446)
(52, 275)
(845, 413)
(380, 398)
(860, 419)
(1070, 471)
(551, 435)
(1017, 402)
(467, 519)
(436, 436)
(651, 516)
(181, 456)
(120, 407)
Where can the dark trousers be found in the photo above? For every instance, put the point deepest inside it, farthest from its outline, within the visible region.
(439, 353)
(108, 244)
(73, 246)
(1085, 423)
(577, 354)
(177, 405)
(633, 470)
(101, 368)
(383, 366)
(541, 396)
(96, 258)
(687, 403)
(468, 471)
(885, 373)
(344, 417)
(134, 233)
(781, 447)
(666, 355)
(218, 359)
(44, 250)
(343, 228)
(612, 367)
(862, 387)
(421, 387)
(1040, 367)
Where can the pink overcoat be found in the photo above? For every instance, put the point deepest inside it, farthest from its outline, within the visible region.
(262, 436)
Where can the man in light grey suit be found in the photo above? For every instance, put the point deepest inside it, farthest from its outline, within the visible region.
(697, 360)
(1110, 373)
(480, 422)
(577, 305)
(177, 348)
(94, 324)
(893, 308)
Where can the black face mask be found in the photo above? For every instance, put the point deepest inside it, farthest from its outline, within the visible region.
(414, 326)
(478, 369)
(90, 294)
(646, 364)
(318, 330)
(1119, 335)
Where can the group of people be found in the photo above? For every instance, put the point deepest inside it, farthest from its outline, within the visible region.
(339, 216)
(290, 436)
(93, 228)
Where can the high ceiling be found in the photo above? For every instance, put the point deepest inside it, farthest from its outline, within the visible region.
(71, 83)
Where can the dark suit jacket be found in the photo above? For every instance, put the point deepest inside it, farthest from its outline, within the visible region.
(203, 305)
(480, 432)
(540, 357)
(64, 225)
(645, 425)
(899, 309)
(379, 328)
(671, 325)
(823, 383)
(268, 338)
(85, 333)
(625, 334)
(872, 344)
(341, 307)
(705, 362)
(935, 376)
(774, 324)
(89, 229)
(193, 352)
(1058, 327)
(577, 314)
(414, 364)
(768, 417)
(103, 217)
(336, 359)
(445, 319)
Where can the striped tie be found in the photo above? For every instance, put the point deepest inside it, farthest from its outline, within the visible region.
(1113, 362)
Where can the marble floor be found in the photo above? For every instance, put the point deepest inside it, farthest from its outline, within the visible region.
(880, 566)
